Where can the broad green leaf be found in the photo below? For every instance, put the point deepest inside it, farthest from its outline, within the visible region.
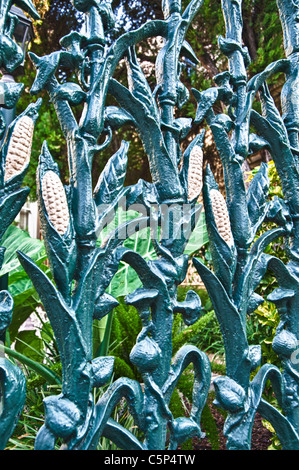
(199, 236)
(17, 239)
(30, 345)
(126, 280)
(20, 286)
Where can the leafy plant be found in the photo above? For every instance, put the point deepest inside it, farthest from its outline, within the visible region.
(21, 288)
(265, 319)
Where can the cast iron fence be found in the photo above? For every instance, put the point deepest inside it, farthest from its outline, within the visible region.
(73, 217)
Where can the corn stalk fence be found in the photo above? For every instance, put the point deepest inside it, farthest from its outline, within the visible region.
(73, 217)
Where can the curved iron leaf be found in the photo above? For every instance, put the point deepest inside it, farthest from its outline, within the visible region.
(121, 388)
(13, 394)
(231, 324)
(112, 178)
(257, 196)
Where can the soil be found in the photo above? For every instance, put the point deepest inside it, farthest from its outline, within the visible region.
(261, 436)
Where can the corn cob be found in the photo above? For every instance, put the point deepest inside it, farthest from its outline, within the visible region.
(195, 172)
(55, 201)
(221, 216)
(19, 148)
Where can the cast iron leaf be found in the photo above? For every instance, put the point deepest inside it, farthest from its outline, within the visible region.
(70, 92)
(121, 388)
(65, 324)
(102, 369)
(164, 170)
(46, 68)
(182, 428)
(230, 322)
(104, 304)
(121, 437)
(115, 117)
(112, 178)
(13, 394)
(28, 6)
(229, 394)
(190, 308)
(62, 416)
(10, 206)
(6, 309)
(257, 196)
(139, 86)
